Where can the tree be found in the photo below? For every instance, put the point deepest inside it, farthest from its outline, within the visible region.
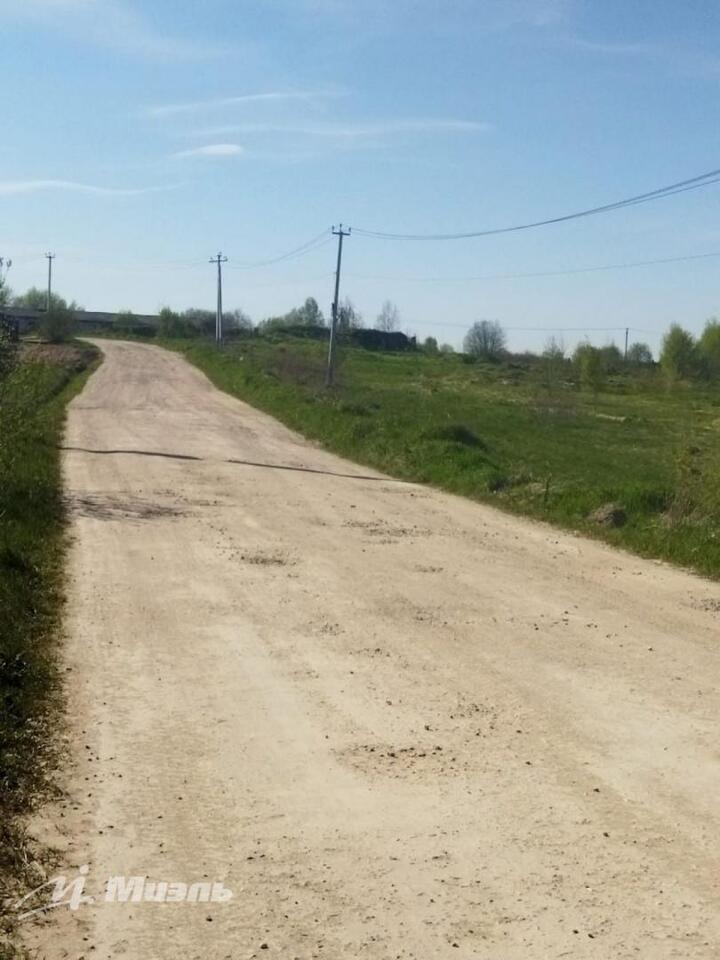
(612, 358)
(202, 320)
(5, 291)
(348, 317)
(639, 355)
(239, 320)
(485, 340)
(679, 358)
(388, 319)
(553, 359)
(124, 319)
(57, 323)
(8, 349)
(430, 345)
(447, 348)
(36, 299)
(588, 362)
(172, 324)
(708, 348)
(554, 349)
(308, 315)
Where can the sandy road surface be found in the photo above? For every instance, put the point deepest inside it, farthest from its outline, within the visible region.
(393, 722)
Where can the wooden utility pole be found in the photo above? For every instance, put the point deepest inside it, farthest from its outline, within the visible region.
(50, 257)
(340, 234)
(219, 260)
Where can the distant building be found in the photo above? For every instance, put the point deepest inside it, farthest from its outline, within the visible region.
(25, 320)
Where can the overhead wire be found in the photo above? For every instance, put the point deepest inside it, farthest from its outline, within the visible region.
(682, 186)
(310, 246)
(538, 274)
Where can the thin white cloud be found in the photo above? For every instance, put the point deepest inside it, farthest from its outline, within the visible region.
(353, 130)
(199, 106)
(610, 48)
(212, 150)
(680, 59)
(468, 14)
(108, 23)
(16, 187)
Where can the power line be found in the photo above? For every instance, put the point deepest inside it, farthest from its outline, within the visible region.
(464, 326)
(544, 273)
(693, 183)
(319, 241)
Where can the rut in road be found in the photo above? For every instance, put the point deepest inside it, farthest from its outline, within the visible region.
(393, 722)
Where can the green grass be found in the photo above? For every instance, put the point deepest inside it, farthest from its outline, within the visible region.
(503, 435)
(32, 411)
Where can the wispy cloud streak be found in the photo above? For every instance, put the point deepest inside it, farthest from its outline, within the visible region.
(199, 106)
(352, 130)
(17, 187)
(212, 150)
(107, 23)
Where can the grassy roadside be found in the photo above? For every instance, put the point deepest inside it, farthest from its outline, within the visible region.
(33, 399)
(505, 435)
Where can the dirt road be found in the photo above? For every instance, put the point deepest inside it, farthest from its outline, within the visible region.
(396, 724)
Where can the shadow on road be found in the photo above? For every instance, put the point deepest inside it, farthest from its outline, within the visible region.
(242, 463)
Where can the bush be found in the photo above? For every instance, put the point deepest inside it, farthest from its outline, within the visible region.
(708, 349)
(639, 355)
(58, 325)
(171, 325)
(612, 358)
(590, 366)
(679, 356)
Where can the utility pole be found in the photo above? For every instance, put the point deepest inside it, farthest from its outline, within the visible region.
(340, 234)
(50, 257)
(219, 260)
(627, 337)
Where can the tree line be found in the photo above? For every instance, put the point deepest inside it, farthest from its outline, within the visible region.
(308, 314)
(682, 356)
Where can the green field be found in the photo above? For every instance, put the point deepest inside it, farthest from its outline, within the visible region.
(514, 434)
(32, 412)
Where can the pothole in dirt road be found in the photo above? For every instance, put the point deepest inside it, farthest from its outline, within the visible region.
(266, 558)
(706, 604)
(382, 532)
(396, 762)
(105, 507)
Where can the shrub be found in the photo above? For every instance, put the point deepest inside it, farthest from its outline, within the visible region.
(171, 324)
(639, 355)
(679, 357)
(588, 362)
(708, 348)
(57, 326)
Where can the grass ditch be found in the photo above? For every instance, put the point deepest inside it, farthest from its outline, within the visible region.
(35, 389)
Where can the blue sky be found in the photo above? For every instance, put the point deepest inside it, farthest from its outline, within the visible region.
(143, 137)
